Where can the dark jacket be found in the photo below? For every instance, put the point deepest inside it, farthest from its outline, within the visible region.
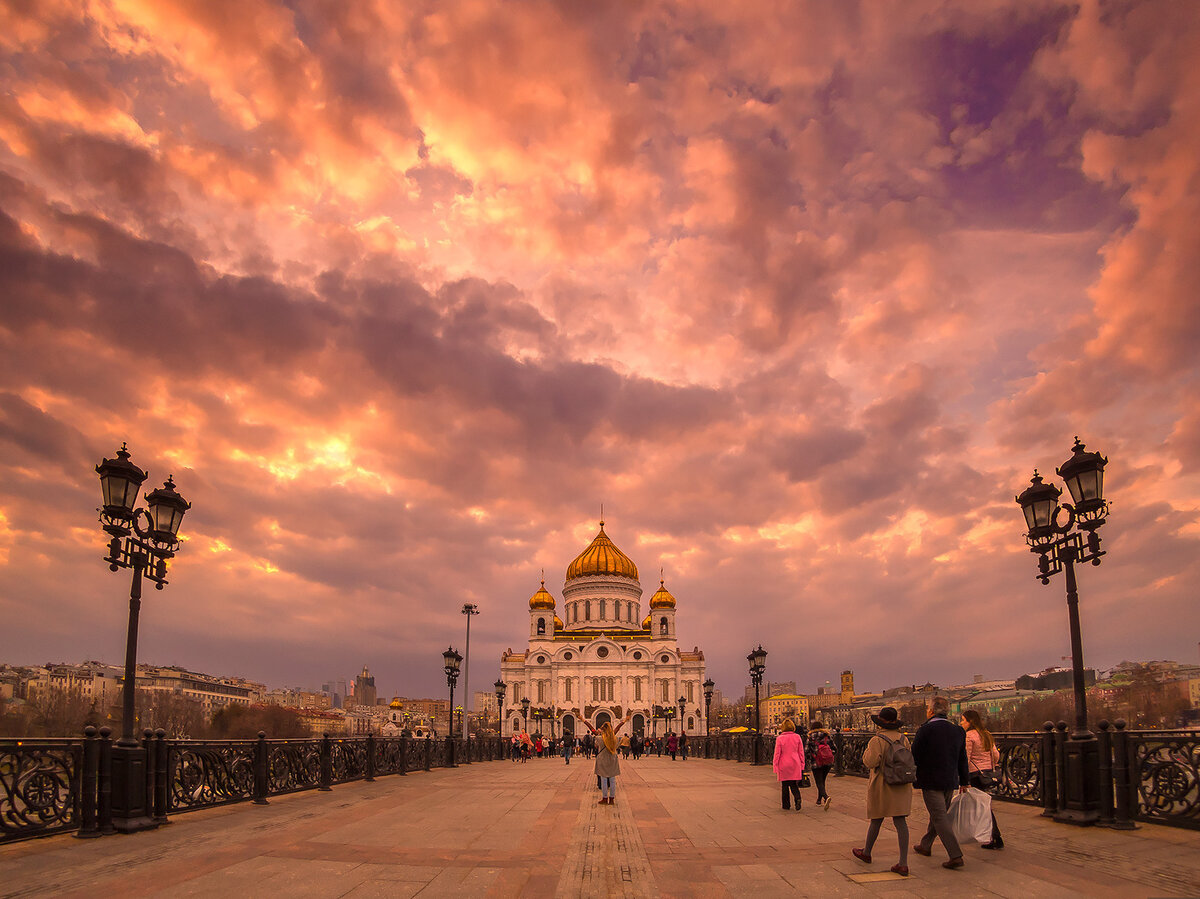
(940, 750)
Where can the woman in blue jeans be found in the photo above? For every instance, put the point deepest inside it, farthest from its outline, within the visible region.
(607, 766)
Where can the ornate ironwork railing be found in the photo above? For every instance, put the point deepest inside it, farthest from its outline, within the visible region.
(39, 787)
(1164, 776)
(58, 785)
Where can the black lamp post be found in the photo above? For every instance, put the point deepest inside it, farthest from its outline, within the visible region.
(469, 609)
(708, 694)
(145, 548)
(453, 660)
(501, 688)
(1059, 548)
(758, 664)
(681, 704)
(525, 710)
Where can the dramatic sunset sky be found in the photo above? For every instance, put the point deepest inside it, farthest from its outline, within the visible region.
(402, 292)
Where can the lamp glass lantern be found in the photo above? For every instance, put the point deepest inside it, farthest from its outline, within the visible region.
(501, 689)
(453, 660)
(758, 660)
(1039, 503)
(166, 512)
(1084, 476)
(120, 481)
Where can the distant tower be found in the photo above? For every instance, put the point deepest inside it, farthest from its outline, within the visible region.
(364, 688)
(847, 686)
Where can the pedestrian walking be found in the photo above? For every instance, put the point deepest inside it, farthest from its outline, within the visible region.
(982, 758)
(820, 760)
(885, 800)
(940, 751)
(567, 745)
(672, 744)
(635, 744)
(683, 741)
(607, 765)
(789, 763)
(623, 744)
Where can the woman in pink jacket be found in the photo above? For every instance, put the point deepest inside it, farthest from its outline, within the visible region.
(789, 762)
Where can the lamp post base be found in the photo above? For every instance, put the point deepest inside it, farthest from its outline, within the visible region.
(130, 800)
(1080, 781)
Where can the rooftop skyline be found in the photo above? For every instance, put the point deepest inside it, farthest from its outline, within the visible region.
(402, 293)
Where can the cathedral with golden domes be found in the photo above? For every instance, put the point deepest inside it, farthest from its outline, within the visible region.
(601, 659)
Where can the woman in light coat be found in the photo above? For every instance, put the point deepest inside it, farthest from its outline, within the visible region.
(607, 766)
(789, 763)
(886, 800)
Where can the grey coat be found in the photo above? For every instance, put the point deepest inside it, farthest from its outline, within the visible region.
(606, 763)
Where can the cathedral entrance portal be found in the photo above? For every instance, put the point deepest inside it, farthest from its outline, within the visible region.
(639, 725)
(568, 725)
(602, 718)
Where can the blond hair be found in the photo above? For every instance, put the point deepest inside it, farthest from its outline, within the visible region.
(788, 725)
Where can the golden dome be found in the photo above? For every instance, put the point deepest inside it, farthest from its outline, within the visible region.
(558, 623)
(396, 704)
(662, 599)
(646, 623)
(542, 599)
(602, 557)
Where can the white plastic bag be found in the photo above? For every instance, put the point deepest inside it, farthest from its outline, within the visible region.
(970, 815)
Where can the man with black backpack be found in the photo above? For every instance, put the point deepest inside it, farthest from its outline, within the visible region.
(940, 751)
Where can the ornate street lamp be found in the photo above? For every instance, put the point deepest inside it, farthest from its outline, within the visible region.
(758, 664)
(525, 710)
(681, 703)
(501, 687)
(708, 694)
(453, 660)
(1059, 547)
(469, 609)
(142, 540)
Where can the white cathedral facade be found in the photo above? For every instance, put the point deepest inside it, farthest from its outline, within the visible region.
(602, 660)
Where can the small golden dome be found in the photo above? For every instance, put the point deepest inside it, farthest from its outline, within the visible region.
(662, 599)
(396, 704)
(646, 623)
(558, 623)
(542, 599)
(602, 557)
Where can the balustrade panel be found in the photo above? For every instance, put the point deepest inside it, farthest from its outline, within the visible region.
(39, 787)
(1164, 771)
(203, 774)
(293, 765)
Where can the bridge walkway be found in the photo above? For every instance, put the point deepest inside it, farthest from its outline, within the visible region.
(695, 828)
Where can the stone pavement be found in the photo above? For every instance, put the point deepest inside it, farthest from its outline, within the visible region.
(695, 828)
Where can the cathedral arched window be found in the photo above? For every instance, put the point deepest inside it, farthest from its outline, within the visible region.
(601, 610)
(662, 625)
(587, 610)
(541, 626)
(691, 723)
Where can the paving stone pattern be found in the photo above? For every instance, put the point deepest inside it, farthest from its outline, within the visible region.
(694, 828)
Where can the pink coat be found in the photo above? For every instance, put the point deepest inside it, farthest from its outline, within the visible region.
(789, 756)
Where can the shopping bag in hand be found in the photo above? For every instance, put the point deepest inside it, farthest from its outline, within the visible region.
(970, 815)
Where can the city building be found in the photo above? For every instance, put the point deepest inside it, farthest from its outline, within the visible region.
(364, 689)
(771, 688)
(211, 692)
(774, 710)
(602, 660)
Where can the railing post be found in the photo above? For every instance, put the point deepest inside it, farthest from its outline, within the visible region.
(1104, 742)
(158, 762)
(104, 783)
(369, 768)
(148, 748)
(1125, 789)
(837, 752)
(261, 777)
(1048, 772)
(89, 759)
(428, 748)
(326, 764)
(404, 755)
(1060, 762)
